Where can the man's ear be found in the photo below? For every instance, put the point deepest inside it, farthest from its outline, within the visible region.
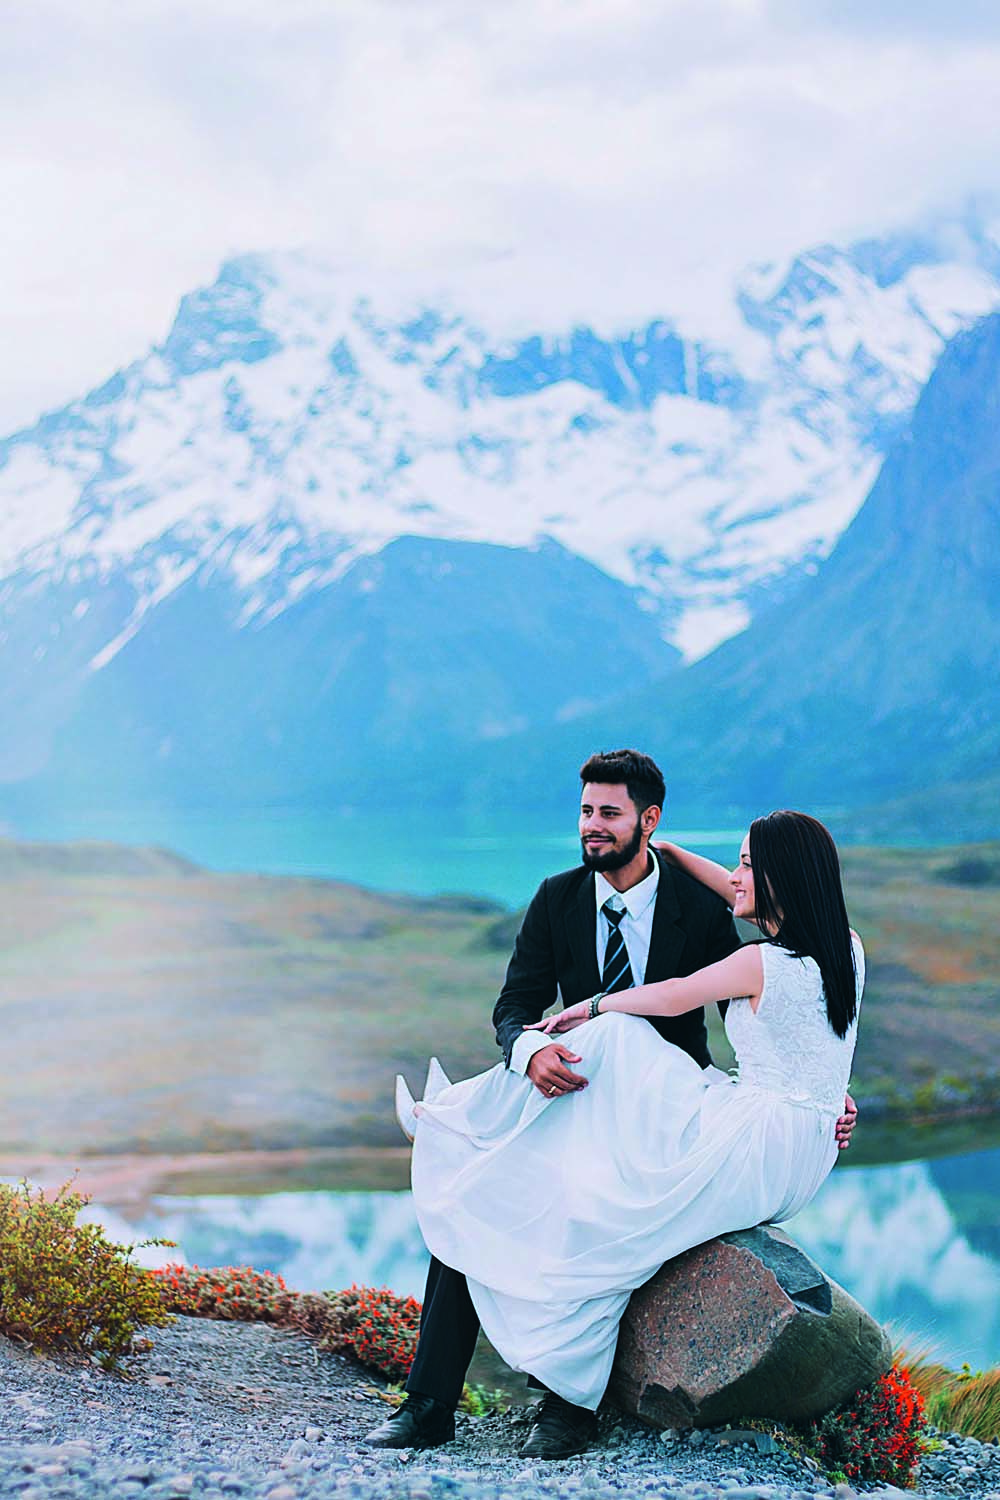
(649, 819)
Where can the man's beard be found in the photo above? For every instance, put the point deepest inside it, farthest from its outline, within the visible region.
(614, 859)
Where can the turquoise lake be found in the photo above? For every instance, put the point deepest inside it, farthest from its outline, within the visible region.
(917, 1243)
(420, 857)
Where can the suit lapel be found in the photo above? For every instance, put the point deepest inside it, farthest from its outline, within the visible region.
(581, 933)
(667, 939)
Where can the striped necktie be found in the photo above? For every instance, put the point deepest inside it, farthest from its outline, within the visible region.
(617, 972)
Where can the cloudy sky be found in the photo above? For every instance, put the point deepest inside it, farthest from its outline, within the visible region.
(622, 157)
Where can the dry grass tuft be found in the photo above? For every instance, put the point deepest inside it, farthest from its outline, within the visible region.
(956, 1400)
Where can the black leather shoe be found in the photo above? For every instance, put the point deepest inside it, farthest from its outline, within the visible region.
(560, 1430)
(421, 1422)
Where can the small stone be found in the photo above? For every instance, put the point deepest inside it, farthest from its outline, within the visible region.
(746, 1437)
(137, 1473)
(696, 1438)
(844, 1491)
(282, 1492)
(298, 1448)
(314, 1434)
(751, 1492)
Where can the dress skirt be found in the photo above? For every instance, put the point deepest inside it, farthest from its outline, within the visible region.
(557, 1209)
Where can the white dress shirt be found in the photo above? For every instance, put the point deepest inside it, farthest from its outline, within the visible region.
(639, 902)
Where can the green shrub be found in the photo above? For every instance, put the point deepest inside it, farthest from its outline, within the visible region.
(63, 1285)
(971, 870)
(478, 1400)
(377, 1327)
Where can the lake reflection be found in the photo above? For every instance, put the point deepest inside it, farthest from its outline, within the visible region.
(918, 1244)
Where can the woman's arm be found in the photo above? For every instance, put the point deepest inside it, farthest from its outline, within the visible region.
(741, 974)
(705, 871)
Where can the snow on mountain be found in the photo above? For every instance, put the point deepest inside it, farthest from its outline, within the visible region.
(300, 416)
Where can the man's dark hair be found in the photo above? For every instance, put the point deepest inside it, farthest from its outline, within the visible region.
(642, 777)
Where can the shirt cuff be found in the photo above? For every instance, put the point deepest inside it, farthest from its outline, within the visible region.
(524, 1049)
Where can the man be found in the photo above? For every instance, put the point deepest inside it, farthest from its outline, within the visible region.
(624, 916)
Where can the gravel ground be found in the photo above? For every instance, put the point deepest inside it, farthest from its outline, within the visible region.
(246, 1410)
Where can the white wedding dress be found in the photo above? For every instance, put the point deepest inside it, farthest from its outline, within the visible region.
(556, 1210)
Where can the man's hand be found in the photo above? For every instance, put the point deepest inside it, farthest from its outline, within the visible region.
(548, 1071)
(846, 1123)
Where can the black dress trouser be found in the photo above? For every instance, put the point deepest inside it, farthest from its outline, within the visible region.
(449, 1328)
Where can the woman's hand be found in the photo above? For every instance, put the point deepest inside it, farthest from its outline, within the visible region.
(565, 1020)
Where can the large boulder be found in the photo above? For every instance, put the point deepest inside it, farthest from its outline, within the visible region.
(743, 1326)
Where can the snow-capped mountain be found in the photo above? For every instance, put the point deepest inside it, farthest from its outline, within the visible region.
(298, 417)
(870, 694)
(334, 531)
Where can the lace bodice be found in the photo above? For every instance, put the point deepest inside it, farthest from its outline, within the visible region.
(789, 1047)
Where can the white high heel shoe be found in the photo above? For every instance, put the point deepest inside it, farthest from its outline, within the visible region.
(406, 1112)
(406, 1109)
(437, 1080)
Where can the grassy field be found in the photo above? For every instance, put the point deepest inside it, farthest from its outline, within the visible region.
(147, 1005)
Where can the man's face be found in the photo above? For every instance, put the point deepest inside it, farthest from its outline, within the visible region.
(611, 827)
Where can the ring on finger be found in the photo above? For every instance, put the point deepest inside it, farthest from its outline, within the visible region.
(552, 1090)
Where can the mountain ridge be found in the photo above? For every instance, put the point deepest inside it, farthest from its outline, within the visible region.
(295, 418)
(306, 542)
(878, 681)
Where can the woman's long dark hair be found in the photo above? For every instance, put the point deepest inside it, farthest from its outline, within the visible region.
(799, 903)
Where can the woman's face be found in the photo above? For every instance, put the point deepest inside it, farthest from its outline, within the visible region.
(741, 881)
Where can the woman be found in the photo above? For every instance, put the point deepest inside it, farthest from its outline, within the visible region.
(556, 1210)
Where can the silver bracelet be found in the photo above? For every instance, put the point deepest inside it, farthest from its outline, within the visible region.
(594, 1005)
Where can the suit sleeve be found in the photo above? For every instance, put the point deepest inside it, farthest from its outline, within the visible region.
(721, 938)
(530, 986)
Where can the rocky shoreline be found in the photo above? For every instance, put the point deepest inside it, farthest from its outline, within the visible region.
(248, 1410)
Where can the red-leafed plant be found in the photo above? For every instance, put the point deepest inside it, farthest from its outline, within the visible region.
(239, 1294)
(877, 1435)
(372, 1323)
(236, 1293)
(378, 1327)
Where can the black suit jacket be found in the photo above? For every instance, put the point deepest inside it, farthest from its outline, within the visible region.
(555, 952)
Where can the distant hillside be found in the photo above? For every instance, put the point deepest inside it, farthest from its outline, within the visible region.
(404, 670)
(148, 1006)
(21, 859)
